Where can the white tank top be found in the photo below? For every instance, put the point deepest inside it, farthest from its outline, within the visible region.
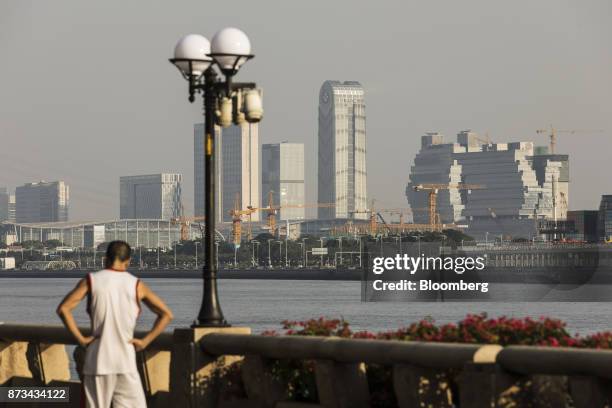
(113, 307)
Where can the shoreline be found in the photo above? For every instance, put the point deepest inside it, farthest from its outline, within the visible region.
(280, 274)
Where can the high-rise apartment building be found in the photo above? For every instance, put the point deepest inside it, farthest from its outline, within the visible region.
(153, 196)
(42, 202)
(237, 169)
(283, 176)
(342, 150)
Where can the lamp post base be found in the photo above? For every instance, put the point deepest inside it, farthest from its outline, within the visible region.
(196, 324)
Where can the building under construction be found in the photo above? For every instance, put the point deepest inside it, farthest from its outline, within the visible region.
(519, 185)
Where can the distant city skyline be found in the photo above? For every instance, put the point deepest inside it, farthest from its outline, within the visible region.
(505, 69)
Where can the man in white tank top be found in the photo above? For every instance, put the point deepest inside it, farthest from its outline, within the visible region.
(110, 374)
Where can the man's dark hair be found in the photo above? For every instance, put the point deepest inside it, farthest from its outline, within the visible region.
(117, 250)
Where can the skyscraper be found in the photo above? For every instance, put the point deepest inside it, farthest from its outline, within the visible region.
(237, 169)
(153, 196)
(342, 150)
(42, 202)
(283, 175)
(4, 204)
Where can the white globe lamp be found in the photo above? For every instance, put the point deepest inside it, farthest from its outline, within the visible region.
(230, 48)
(191, 55)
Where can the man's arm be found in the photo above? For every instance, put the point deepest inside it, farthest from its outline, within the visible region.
(64, 311)
(157, 306)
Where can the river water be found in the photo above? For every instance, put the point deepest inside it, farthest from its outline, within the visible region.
(263, 304)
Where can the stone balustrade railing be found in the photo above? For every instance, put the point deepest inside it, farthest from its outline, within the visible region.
(229, 367)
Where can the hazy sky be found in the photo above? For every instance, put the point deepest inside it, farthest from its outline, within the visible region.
(87, 94)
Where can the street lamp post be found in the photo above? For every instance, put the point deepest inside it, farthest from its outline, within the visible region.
(304, 254)
(360, 251)
(196, 253)
(340, 247)
(321, 239)
(196, 57)
(269, 253)
(280, 252)
(253, 244)
(235, 256)
(217, 258)
(400, 244)
(301, 244)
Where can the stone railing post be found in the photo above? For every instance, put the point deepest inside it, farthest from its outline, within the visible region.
(342, 385)
(587, 392)
(484, 384)
(259, 384)
(154, 370)
(487, 385)
(416, 386)
(194, 374)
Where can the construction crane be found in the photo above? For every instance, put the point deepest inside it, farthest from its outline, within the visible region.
(553, 132)
(271, 211)
(434, 217)
(373, 223)
(237, 214)
(375, 215)
(184, 223)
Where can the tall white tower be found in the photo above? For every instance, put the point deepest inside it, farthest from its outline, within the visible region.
(342, 150)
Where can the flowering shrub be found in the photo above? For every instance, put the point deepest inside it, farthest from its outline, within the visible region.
(502, 330)
(601, 340)
(474, 328)
(318, 327)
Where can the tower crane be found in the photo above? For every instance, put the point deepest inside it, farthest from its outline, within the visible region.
(434, 217)
(271, 210)
(373, 223)
(184, 222)
(553, 132)
(237, 214)
(376, 214)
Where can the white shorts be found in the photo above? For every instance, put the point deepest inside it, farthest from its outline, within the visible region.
(122, 390)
